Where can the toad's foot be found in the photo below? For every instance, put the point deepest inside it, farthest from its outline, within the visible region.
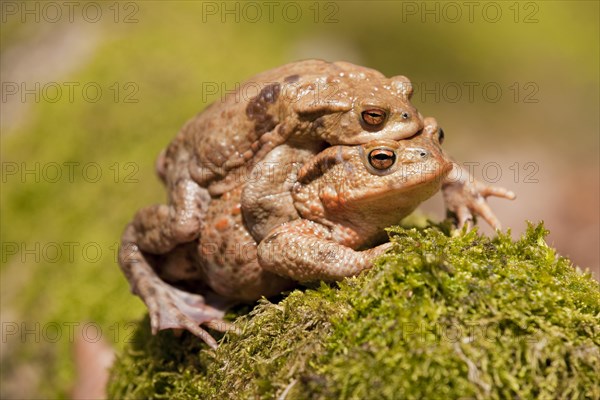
(171, 308)
(465, 198)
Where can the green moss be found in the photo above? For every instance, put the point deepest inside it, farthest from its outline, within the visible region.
(439, 316)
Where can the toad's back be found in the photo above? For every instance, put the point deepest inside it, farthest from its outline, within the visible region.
(219, 145)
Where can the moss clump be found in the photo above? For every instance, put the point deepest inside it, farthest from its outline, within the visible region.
(437, 317)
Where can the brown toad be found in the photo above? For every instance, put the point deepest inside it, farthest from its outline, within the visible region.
(317, 159)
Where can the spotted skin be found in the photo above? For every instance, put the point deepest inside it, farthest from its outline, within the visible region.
(270, 186)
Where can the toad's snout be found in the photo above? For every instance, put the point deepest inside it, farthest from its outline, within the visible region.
(414, 154)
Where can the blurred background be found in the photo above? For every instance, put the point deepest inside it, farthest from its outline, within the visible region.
(91, 91)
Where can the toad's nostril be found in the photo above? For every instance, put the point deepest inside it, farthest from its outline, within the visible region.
(415, 154)
(422, 152)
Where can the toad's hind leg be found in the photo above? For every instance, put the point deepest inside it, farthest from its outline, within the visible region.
(168, 306)
(159, 228)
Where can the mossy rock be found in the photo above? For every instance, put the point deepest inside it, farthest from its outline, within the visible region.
(439, 316)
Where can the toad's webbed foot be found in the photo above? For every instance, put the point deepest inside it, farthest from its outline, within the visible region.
(466, 197)
(171, 308)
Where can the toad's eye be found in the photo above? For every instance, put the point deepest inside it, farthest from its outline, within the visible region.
(405, 115)
(373, 116)
(441, 135)
(382, 159)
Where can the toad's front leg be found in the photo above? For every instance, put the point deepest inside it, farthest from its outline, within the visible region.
(465, 196)
(305, 251)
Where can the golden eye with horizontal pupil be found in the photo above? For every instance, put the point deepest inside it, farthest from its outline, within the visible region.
(373, 116)
(382, 158)
(441, 135)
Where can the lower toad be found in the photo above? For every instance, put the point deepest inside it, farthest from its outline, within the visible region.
(321, 219)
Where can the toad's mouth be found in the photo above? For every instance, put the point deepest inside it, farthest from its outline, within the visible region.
(413, 176)
(440, 172)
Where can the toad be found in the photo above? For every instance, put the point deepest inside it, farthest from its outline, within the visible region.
(319, 159)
